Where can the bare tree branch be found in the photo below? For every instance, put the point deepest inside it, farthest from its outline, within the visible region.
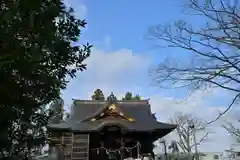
(215, 49)
(233, 130)
(203, 138)
(185, 133)
(222, 113)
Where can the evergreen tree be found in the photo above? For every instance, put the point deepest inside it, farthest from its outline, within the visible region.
(98, 95)
(137, 97)
(129, 96)
(36, 57)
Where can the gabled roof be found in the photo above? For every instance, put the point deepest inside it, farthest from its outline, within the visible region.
(92, 126)
(139, 110)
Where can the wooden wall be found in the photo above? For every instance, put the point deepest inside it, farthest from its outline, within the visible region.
(80, 149)
(76, 146)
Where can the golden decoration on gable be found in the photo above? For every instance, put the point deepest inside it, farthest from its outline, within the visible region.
(131, 119)
(113, 111)
(112, 107)
(93, 119)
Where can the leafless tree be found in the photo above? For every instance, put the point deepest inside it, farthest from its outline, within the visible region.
(185, 132)
(214, 48)
(232, 130)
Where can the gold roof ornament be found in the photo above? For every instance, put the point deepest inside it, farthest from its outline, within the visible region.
(93, 119)
(113, 108)
(131, 119)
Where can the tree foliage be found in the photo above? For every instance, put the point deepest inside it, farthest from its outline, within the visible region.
(98, 95)
(129, 96)
(137, 97)
(36, 57)
(57, 108)
(213, 48)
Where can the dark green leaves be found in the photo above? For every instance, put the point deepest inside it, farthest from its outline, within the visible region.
(98, 95)
(36, 56)
(129, 96)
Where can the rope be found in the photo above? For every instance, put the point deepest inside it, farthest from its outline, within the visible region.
(117, 150)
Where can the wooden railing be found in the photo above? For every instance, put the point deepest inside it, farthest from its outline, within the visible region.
(75, 147)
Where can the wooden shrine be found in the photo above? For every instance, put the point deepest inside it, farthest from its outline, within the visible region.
(109, 129)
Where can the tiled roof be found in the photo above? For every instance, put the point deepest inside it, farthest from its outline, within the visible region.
(137, 109)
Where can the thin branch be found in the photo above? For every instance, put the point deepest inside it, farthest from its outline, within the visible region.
(215, 48)
(185, 133)
(204, 137)
(225, 111)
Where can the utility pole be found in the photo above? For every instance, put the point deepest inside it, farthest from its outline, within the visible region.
(195, 143)
(165, 148)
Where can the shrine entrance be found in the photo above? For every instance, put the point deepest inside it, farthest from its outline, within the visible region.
(112, 144)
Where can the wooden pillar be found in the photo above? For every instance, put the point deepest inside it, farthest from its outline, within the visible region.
(122, 149)
(138, 150)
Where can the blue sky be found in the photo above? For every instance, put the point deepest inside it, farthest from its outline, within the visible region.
(123, 54)
(127, 23)
(116, 25)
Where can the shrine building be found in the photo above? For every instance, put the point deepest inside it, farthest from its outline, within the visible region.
(108, 129)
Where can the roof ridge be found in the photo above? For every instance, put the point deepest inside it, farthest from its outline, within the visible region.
(87, 100)
(106, 101)
(140, 100)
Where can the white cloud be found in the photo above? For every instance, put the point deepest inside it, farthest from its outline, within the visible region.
(119, 71)
(122, 70)
(166, 107)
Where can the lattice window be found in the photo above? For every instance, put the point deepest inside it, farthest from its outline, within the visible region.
(80, 147)
(67, 138)
(80, 136)
(79, 155)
